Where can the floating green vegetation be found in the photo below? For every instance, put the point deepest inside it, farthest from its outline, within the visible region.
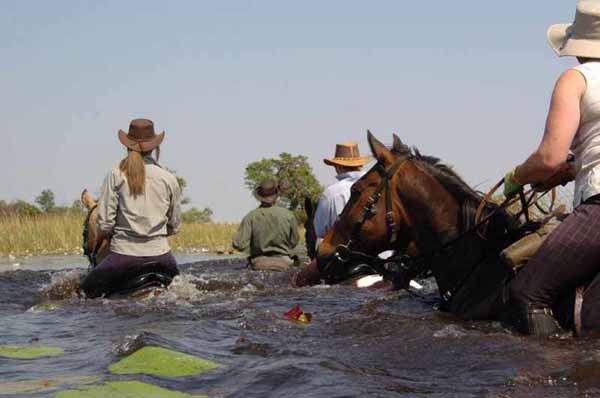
(124, 389)
(22, 352)
(42, 385)
(158, 361)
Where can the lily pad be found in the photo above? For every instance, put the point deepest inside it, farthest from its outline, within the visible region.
(124, 389)
(22, 352)
(158, 361)
(42, 385)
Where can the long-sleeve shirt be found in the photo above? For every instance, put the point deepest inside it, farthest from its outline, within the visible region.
(139, 225)
(332, 201)
(267, 231)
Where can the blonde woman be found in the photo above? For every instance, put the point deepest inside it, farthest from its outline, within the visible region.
(138, 208)
(571, 254)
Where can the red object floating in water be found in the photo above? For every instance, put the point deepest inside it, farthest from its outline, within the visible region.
(296, 314)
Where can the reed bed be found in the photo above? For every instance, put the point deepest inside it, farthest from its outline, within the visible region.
(62, 234)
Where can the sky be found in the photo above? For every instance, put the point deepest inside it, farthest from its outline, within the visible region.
(232, 82)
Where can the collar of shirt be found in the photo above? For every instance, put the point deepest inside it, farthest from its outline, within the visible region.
(351, 175)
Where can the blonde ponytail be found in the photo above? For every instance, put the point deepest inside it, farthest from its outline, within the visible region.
(134, 168)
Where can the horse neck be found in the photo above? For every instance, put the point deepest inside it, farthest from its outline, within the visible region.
(435, 218)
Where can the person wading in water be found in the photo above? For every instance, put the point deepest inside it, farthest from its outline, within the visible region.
(269, 232)
(570, 256)
(139, 207)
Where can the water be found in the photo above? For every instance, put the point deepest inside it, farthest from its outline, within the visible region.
(360, 343)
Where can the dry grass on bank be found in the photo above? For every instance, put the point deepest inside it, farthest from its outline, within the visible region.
(62, 234)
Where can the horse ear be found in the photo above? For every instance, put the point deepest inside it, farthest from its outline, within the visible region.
(380, 151)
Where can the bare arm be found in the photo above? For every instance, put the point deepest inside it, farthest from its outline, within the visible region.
(561, 126)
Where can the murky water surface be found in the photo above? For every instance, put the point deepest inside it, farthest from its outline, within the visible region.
(367, 343)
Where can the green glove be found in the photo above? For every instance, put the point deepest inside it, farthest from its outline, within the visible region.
(511, 187)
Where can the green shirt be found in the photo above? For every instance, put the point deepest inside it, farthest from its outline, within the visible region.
(268, 231)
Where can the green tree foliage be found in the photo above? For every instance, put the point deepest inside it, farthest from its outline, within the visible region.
(46, 200)
(197, 216)
(295, 170)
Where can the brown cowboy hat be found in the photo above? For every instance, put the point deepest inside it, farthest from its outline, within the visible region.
(141, 136)
(348, 155)
(267, 191)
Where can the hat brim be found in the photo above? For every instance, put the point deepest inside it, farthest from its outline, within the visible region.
(141, 146)
(348, 162)
(559, 37)
(271, 199)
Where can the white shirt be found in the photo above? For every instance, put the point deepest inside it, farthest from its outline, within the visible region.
(586, 143)
(332, 201)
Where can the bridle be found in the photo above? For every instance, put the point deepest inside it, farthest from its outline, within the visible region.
(369, 209)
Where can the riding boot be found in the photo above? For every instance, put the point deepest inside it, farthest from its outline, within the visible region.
(539, 322)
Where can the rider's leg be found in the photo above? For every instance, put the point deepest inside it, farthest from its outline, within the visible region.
(569, 257)
(116, 269)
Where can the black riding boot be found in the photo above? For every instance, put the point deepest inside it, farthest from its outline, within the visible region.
(539, 322)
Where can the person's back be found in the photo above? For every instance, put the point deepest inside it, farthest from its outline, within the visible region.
(144, 221)
(269, 233)
(138, 208)
(348, 164)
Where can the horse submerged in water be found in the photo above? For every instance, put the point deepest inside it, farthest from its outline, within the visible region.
(419, 207)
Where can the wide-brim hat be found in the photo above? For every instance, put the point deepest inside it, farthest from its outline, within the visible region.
(348, 155)
(141, 136)
(267, 191)
(582, 37)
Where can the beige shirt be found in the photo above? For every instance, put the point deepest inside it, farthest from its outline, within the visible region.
(139, 226)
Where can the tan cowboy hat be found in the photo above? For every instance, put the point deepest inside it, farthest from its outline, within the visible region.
(582, 37)
(141, 136)
(267, 191)
(347, 154)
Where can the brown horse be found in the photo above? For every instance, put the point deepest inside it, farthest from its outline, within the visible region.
(417, 206)
(95, 251)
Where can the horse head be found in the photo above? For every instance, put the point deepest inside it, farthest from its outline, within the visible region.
(95, 252)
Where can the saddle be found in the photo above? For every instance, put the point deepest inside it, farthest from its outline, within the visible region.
(518, 254)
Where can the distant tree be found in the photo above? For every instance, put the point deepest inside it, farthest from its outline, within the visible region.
(182, 185)
(76, 205)
(300, 182)
(45, 200)
(22, 208)
(197, 216)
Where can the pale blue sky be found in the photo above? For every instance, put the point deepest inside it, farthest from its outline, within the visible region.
(235, 81)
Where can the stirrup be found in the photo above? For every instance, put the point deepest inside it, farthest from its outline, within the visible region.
(541, 322)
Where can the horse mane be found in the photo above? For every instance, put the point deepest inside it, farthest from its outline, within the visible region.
(443, 173)
(468, 198)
